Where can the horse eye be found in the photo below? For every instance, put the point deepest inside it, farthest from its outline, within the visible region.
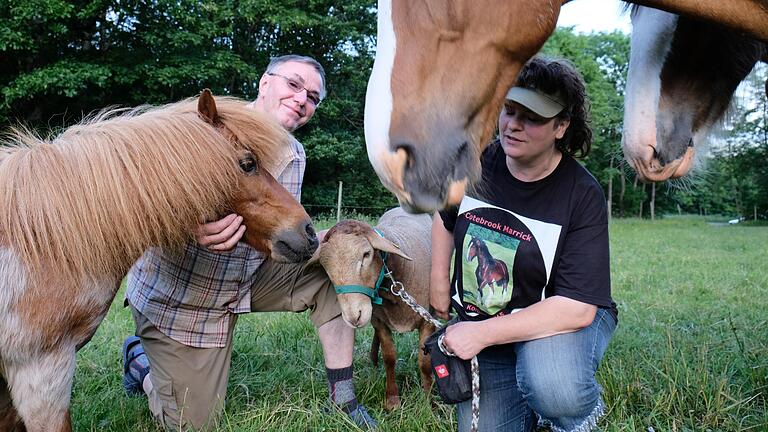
(248, 165)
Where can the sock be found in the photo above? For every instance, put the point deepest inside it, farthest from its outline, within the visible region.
(341, 389)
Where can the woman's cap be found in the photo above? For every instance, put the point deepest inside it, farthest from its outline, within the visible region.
(541, 103)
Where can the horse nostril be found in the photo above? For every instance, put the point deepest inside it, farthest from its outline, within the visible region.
(310, 230)
(410, 151)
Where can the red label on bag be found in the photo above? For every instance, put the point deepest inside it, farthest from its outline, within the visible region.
(441, 371)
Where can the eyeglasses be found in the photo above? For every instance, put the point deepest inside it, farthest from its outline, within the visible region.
(296, 87)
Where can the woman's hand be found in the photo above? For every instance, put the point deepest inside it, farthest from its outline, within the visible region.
(221, 235)
(465, 339)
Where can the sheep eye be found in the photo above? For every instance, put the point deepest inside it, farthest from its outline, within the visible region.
(366, 254)
(248, 165)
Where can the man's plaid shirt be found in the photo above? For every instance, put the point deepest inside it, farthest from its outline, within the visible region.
(191, 296)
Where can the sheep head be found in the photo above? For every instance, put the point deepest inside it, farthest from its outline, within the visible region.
(349, 255)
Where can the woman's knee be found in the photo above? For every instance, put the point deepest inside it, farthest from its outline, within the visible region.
(557, 395)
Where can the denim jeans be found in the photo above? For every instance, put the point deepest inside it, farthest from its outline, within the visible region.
(552, 377)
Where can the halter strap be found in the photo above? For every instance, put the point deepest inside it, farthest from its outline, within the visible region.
(373, 293)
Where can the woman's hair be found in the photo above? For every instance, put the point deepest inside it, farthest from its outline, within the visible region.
(558, 77)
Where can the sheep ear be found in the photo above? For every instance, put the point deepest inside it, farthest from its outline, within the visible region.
(383, 244)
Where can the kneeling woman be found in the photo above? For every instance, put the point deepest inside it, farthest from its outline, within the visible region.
(531, 282)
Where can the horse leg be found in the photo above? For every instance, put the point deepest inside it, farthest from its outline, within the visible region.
(375, 343)
(425, 366)
(9, 418)
(41, 388)
(389, 355)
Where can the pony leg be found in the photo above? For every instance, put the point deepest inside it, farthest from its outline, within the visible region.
(9, 418)
(41, 389)
(389, 355)
(425, 367)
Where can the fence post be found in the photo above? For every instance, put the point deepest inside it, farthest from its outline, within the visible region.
(338, 203)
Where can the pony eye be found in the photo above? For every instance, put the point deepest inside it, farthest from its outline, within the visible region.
(248, 165)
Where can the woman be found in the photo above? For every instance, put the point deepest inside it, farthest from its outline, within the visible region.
(531, 282)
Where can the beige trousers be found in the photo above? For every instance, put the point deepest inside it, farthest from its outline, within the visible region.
(189, 384)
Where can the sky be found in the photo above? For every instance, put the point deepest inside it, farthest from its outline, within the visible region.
(594, 16)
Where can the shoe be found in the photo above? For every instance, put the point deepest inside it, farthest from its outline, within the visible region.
(361, 418)
(134, 352)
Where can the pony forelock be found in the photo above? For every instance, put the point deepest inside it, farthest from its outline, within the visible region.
(89, 201)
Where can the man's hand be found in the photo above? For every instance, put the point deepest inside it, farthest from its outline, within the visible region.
(221, 235)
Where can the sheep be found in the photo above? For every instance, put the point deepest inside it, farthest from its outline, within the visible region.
(348, 252)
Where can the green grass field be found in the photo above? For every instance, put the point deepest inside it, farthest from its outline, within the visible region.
(690, 353)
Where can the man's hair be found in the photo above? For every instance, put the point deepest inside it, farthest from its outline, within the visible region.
(275, 62)
(559, 77)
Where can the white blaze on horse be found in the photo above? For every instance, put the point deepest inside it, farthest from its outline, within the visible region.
(682, 76)
(78, 210)
(442, 70)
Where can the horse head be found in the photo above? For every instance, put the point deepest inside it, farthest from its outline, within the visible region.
(275, 222)
(472, 249)
(682, 76)
(440, 75)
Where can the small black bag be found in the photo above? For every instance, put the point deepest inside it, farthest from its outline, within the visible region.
(453, 375)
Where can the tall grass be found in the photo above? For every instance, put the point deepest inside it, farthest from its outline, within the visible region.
(690, 352)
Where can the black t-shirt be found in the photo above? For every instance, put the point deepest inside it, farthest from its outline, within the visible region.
(520, 242)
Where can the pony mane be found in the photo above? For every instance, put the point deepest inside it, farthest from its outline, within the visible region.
(89, 201)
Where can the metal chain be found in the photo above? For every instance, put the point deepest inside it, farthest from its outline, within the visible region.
(398, 289)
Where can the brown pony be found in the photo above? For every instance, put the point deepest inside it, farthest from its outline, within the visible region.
(79, 209)
(489, 270)
(442, 69)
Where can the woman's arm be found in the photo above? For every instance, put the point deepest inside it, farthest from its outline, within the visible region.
(440, 278)
(549, 317)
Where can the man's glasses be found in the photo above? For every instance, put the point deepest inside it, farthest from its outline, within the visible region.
(296, 87)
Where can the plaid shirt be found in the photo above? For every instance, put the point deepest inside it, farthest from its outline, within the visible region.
(190, 296)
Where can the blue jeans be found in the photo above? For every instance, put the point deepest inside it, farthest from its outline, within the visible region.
(553, 377)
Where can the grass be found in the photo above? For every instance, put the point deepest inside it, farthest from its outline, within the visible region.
(690, 352)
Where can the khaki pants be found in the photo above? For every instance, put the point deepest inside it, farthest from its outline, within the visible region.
(189, 384)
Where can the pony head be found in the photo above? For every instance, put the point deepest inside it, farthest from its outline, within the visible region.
(275, 222)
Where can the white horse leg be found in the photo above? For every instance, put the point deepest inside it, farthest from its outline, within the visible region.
(41, 387)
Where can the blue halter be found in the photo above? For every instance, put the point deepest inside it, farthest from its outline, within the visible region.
(373, 293)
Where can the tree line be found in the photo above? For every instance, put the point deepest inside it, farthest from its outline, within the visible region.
(60, 60)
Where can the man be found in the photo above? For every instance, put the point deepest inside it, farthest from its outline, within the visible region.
(186, 305)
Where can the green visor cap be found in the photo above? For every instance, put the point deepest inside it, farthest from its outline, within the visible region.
(542, 104)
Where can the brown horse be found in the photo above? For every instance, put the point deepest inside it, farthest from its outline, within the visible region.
(682, 76)
(441, 72)
(489, 270)
(78, 210)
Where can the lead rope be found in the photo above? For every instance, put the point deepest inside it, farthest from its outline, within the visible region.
(398, 289)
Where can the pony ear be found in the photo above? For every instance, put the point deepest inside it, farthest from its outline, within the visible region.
(206, 107)
(384, 244)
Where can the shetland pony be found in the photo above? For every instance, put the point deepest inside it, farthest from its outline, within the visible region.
(442, 69)
(79, 209)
